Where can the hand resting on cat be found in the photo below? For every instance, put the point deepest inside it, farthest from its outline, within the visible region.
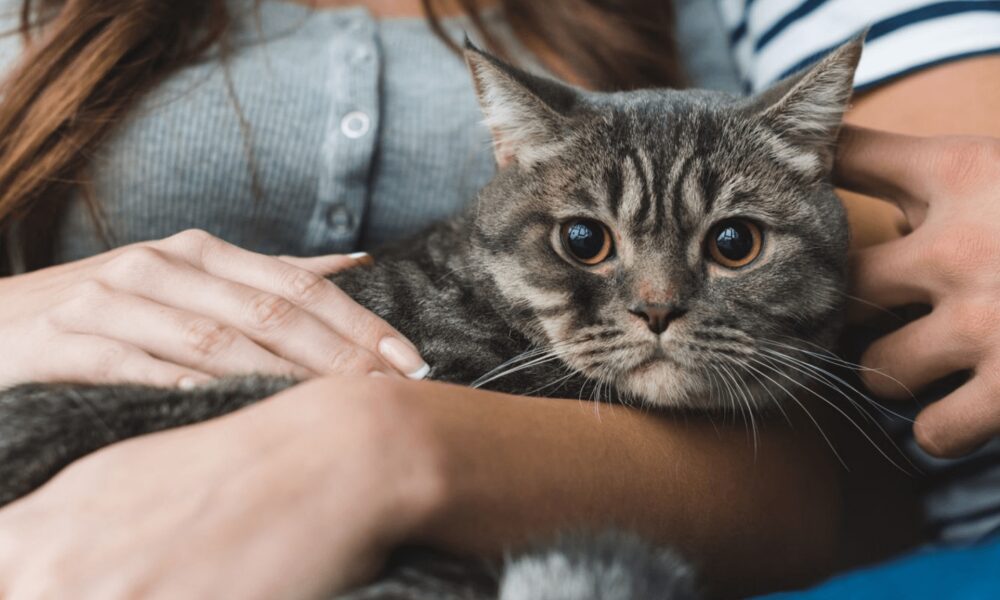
(188, 309)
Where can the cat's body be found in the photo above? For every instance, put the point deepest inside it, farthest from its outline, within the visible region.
(630, 244)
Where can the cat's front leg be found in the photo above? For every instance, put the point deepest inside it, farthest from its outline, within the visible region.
(45, 427)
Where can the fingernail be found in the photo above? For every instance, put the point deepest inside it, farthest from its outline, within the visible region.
(362, 258)
(406, 359)
(187, 383)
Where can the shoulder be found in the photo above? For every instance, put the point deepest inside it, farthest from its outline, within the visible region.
(774, 38)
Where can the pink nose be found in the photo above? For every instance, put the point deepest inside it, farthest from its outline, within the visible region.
(657, 316)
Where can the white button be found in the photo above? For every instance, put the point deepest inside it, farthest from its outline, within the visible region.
(362, 54)
(339, 219)
(355, 124)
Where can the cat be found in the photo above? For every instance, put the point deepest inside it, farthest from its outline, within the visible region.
(650, 247)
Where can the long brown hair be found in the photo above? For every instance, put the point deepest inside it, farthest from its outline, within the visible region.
(87, 62)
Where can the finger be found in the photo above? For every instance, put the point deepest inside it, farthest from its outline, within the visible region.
(319, 297)
(917, 355)
(268, 319)
(93, 359)
(330, 264)
(884, 165)
(960, 422)
(892, 274)
(172, 335)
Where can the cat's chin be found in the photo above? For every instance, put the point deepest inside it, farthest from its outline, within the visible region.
(667, 384)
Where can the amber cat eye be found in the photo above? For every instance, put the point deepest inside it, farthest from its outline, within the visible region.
(586, 240)
(735, 243)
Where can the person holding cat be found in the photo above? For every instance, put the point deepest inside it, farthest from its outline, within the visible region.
(264, 497)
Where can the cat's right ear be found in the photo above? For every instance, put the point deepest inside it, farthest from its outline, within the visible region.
(805, 110)
(527, 114)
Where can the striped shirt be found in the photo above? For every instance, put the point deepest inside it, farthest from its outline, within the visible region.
(771, 39)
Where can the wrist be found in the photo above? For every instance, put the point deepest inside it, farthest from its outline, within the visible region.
(375, 447)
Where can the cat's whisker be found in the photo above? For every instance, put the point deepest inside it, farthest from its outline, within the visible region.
(456, 272)
(551, 384)
(878, 307)
(744, 402)
(834, 406)
(548, 357)
(820, 377)
(747, 400)
(737, 399)
(724, 389)
(836, 378)
(532, 353)
(774, 400)
(805, 410)
(831, 358)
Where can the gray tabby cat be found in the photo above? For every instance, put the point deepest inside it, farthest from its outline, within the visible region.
(642, 246)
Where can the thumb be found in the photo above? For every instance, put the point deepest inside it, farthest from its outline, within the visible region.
(330, 263)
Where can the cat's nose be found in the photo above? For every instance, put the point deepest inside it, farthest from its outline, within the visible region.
(657, 316)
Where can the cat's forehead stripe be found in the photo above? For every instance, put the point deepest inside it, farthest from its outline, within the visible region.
(613, 178)
(644, 192)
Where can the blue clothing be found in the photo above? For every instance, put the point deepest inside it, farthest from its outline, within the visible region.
(971, 573)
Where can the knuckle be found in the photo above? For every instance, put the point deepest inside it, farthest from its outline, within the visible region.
(960, 249)
(108, 361)
(963, 162)
(190, 238)
(135, 264)
(971, 322)
(265, 311)
(85, 298)
(88, 292)
(208, 338)
(303, 287)
(930, 437)
(870, 375)
(351, 359)
(877, 375)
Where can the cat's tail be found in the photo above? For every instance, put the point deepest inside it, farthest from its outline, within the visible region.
(609, 566)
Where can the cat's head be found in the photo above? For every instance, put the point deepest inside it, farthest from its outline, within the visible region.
(667, 242)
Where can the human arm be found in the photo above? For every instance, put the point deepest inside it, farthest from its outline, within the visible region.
(341, 470)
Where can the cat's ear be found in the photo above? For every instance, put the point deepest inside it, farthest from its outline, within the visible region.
(527, 114)
(806, 109)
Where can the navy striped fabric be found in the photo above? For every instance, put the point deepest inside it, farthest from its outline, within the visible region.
(772, 39)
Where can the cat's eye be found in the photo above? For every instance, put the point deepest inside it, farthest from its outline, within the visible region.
(735, 243)
(586, 240)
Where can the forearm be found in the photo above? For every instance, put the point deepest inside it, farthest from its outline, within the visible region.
(519, 469)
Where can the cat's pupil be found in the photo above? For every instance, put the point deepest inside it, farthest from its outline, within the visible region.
(734, 240)
(585, 239)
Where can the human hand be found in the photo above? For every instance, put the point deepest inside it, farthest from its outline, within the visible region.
(187, 308)
(295, 497)
(949, 190)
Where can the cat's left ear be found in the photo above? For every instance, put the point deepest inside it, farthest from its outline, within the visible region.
(527, 115)
(806, 109)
